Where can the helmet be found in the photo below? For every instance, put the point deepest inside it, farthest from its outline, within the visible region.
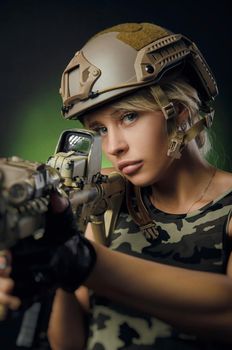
(127, 57)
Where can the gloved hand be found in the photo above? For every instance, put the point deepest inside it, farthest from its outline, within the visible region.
(73, 262)
(62, 258)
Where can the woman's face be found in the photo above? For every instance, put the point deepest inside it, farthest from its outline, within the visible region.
(136, 142)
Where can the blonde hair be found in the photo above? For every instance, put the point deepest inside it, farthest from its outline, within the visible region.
(177, 91)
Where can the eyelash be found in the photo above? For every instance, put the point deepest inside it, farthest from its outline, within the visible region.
(128, 114)
(99, 128)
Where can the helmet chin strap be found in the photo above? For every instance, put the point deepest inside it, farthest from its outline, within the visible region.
(179, 140)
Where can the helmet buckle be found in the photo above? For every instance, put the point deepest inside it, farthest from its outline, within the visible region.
(169, 111)
(176, 144)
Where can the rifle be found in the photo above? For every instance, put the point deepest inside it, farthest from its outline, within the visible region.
(75, 172)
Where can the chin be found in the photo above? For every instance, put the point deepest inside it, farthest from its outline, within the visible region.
(141, 180)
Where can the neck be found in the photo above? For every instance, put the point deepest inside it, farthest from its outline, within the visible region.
(186, 185)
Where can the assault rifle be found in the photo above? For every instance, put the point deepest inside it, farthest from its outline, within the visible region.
(74, 171)
(25, 190)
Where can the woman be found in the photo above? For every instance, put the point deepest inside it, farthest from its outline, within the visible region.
(165, 282)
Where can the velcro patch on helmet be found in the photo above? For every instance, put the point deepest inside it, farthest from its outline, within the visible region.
(146, 33)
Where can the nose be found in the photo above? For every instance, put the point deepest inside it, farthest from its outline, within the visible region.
(116, 143)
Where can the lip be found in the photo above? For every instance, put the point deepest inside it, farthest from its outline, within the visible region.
(129, 167)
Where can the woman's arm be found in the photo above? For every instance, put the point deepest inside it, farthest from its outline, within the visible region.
(67, 326)
(195, 302)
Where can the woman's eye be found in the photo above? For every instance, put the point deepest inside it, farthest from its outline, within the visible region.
(129, 118)
(101, 130)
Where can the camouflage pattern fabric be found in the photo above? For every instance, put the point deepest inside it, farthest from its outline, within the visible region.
(195, 241)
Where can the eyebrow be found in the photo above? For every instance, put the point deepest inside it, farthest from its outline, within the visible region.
(93, 124)
(115, 114)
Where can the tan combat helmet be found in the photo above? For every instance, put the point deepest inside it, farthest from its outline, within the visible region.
(127, 57)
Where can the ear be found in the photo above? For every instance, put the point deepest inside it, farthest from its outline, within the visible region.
(182, 115)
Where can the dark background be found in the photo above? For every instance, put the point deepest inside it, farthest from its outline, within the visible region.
(38, 38)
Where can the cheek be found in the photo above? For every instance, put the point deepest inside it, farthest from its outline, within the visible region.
(153, 138)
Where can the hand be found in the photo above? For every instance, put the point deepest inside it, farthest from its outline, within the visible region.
(6, 286)
(31, 271)
(60, 221)
(73, 261)
(47, 263)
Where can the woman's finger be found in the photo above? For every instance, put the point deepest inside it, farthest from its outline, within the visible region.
(7, 300)
(5, 263)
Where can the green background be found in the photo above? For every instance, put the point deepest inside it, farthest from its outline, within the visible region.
(38, 38)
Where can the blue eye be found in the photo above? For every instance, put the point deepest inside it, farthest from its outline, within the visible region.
(101, 130)
(129, 118)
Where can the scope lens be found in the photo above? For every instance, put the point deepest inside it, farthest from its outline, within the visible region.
(76, 142)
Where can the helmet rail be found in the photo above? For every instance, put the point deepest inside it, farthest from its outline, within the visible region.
(90, 80)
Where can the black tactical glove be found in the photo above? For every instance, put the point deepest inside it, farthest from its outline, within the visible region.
(73, 262)
(39, 266)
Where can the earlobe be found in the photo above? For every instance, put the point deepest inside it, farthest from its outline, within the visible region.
(183, 117)
(182, 126)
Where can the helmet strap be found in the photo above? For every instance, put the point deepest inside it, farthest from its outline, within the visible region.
(163, 102)
(139, 212)
(181, 137)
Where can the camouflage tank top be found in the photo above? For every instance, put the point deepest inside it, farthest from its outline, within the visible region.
(196, 241)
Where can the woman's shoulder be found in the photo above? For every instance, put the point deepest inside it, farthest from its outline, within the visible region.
(223, 185)
(223, 181)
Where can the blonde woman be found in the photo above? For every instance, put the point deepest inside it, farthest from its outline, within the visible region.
(164, 281)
